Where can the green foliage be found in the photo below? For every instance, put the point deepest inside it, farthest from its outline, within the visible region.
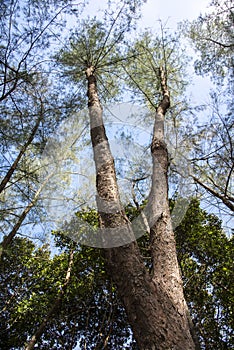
(23, 272)
(91, 44)
(152, 52)
(30, 282)
(205, 256)
(91, 312)
(212, 36)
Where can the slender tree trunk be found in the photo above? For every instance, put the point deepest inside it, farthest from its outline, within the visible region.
(54, 308)
(155, 306)
(13, 167)
(8, 239)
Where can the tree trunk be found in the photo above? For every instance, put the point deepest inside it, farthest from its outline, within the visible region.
(8, 239)
(13, 167)
(155, 305)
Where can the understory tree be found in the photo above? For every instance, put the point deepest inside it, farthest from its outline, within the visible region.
(90, 311)
(211, 138)
(32, 105)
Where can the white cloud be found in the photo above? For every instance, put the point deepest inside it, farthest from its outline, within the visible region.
(172, 10)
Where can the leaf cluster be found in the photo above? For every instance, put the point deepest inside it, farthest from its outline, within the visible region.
(91, 312)
(212, 36)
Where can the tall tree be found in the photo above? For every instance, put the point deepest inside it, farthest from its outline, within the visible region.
(29, 112)
(154, 303)
(211, 36)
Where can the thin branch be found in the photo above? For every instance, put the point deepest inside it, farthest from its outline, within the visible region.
(20, 155)
(113, 62)
(218, 42)
(8, 239)
(228, 179)
(138, 86)
(145, 221)
(107, 37)
(24, 57)
(223, 198)
(164, 50)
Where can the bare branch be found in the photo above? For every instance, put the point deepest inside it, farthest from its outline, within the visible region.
(13, 167)
(223, 198)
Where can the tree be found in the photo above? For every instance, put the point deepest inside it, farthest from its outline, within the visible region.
(55, 307)
(57, 301)
(154, 303)
(21, 271)
(90, 311)
(29, 112)
(212, 142)
(32, 289)
(205, 257)
(20, 57)
(212, 37)
(212, 156)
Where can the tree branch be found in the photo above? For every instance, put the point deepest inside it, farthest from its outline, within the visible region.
(8, 239)
(218, 42)
(20, 155)
(223, 198)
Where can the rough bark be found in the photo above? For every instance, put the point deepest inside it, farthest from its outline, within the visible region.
(155, 305)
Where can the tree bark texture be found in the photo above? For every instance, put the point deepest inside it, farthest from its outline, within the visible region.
(154, 304)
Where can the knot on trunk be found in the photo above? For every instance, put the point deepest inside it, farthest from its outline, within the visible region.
(89, 71)
(158, 145)
(160, 153)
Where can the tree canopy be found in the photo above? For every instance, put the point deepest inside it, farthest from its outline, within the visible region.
(90, 311)
(57, 293)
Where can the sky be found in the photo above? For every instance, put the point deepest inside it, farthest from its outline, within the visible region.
(170, 12)
(173, 11)
(153, 10)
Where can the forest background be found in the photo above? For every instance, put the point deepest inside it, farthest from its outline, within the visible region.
(56, 292)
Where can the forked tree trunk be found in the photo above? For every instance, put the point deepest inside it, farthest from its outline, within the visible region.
(155, 305)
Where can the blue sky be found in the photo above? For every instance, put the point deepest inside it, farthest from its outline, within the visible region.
(174, 10)
(171, 12)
